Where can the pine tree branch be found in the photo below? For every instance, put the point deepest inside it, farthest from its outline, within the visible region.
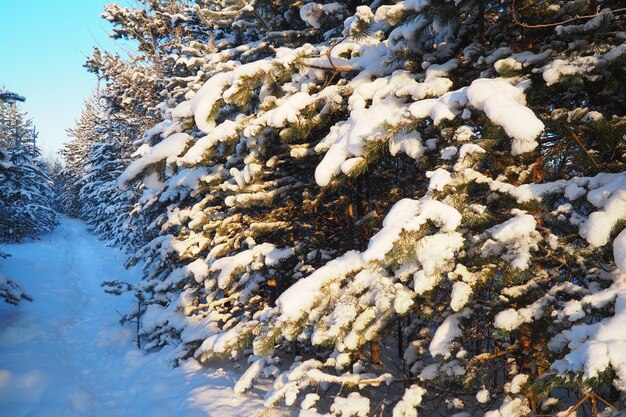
(260, 19)
(330, 60)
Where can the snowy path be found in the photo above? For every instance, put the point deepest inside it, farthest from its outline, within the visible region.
(65, 354)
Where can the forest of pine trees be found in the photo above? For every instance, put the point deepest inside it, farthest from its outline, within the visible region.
(385, 208)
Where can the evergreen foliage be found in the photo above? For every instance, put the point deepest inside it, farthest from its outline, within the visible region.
(26, 194)
(425, 194)
(11, 292)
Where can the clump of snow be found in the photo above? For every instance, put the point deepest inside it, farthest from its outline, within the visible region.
(574, 191)
(347, 138)
(309, 401)
(384, 13)
(410, 215)
(517, 236)
(592, 116)
(482, 396)
(461, 293)
(558, 68)
(350, 164)
(549, 402)
(446, 332)
(159, 128)
(435, 83)
(596, 346)
(352, 406)
(508, 319)
(411, 400)
(573, 309)
(520, 225)
(229, 264)
(504, 104)
(301, 295)
(619, 251)
(521, 60)
(312, 12)
(434, 253)
(439, 179)
(517, 383)
(446, 107)
(403, 300)
(497, 54)
(467, 149)
(598, 226)
(456, 403)
(246, 380)
(448, 152)
(363, 14)
(409, 143)
(202, 104)
(511, 407)
(170, 147)
(464, 134)
(223, 132)
(429, 372)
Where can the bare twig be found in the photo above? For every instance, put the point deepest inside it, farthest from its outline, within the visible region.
(580, 143)
(591, 396)
(489, 356)
(562, 22)
(330, 60)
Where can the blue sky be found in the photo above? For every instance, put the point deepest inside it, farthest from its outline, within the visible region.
(43, 45)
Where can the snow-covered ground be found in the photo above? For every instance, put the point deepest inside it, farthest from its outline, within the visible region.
(66, 355)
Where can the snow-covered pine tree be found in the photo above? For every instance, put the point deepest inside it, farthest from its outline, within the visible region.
(10, 291)
(102, 201)
(15, 127)
(131, 89)
(95, 157)
(423, 196)
(157, 200)
(26, 196)
(55, 167)
(74, 153)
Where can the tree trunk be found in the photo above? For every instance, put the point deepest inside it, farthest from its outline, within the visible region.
(271, 283)
(138, 317)
(481, 21)
(375, 352)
